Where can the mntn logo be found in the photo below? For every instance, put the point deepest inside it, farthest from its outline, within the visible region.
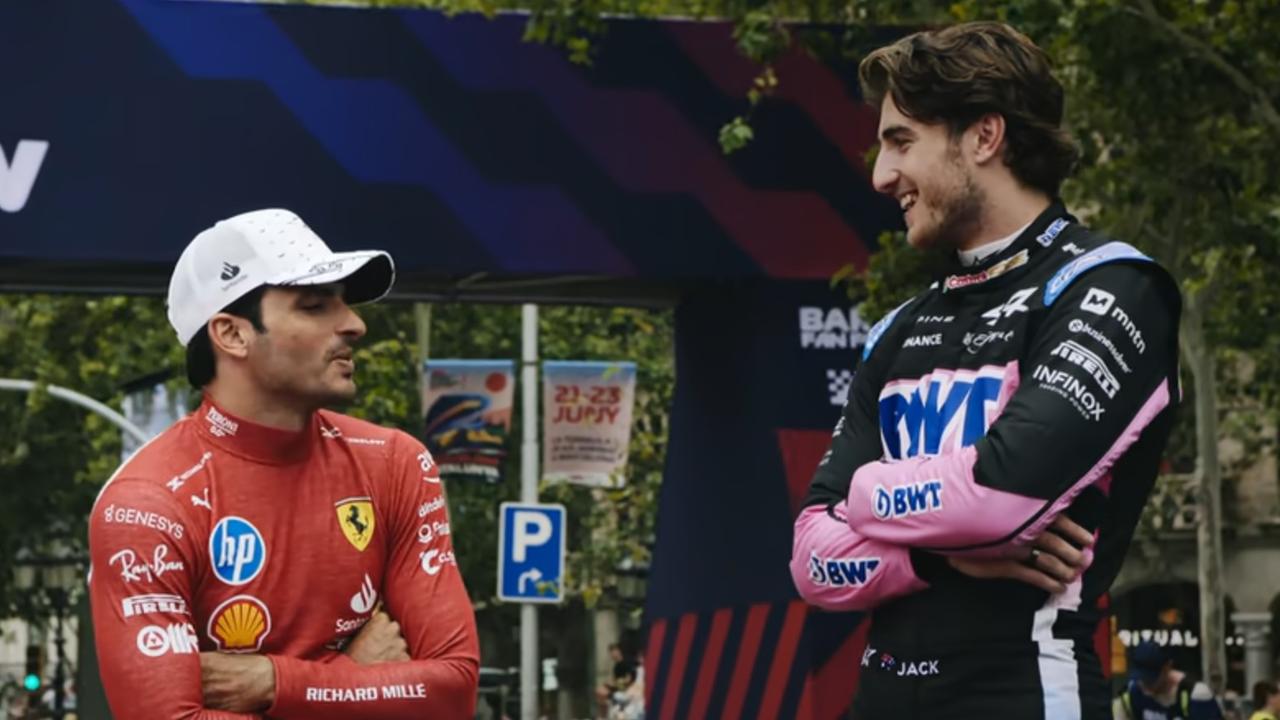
(913, 499)
(237, 551)
(838, 572)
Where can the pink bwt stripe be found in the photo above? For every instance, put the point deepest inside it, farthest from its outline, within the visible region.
(710, 663)
(776, 686)
(679, 658)
(742, 667)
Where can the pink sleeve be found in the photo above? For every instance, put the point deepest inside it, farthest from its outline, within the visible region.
(836, 569)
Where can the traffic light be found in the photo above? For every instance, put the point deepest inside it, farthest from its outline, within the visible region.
(35, 661)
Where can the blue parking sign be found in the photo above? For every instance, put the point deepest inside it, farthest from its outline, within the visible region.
(531, 553)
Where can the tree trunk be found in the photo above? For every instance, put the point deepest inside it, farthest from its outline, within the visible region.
(1200, 361)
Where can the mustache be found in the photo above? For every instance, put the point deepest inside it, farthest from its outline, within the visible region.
(343, 352)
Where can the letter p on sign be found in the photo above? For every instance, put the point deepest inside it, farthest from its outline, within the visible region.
(532, 528)
(531, 553)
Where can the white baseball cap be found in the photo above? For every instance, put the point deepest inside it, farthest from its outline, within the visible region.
(265, 247)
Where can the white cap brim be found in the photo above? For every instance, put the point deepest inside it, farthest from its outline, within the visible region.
(366, 275)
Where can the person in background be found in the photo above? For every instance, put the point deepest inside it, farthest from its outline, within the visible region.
(1157, 691)
(1266, 701)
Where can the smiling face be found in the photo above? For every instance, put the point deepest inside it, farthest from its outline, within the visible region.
(305, 357)
(922, 167)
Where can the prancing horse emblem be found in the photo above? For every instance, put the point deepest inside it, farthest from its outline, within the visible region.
(355, 519)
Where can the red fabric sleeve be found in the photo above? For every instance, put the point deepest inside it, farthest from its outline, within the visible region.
(143, 558)
(423, 591)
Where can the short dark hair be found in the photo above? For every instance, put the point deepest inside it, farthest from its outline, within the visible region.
(960, 73)
(1262, 692)
(201, 365)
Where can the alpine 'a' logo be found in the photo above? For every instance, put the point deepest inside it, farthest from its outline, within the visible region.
(19, 176)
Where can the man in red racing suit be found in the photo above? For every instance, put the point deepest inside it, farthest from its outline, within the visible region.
(263, 557)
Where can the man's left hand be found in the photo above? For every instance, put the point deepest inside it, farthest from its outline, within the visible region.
(237, 683)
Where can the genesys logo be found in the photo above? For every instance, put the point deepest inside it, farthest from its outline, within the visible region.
(18, 175)
(178, 638)
(237, 551)
(841, 572)
(831, 328)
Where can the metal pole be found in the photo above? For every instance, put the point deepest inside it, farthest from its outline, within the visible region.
(59, 673)
(529, 493)
(83, 401)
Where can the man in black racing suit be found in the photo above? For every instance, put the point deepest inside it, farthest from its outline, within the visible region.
(1004, 427)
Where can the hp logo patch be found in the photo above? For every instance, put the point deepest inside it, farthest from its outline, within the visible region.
(237, 551)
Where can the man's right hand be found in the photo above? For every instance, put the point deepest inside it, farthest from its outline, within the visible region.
(1052, 562)
(378, 641)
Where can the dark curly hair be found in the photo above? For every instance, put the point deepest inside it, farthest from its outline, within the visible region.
(960, 73)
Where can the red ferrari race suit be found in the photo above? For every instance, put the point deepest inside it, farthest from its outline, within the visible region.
(224, 535)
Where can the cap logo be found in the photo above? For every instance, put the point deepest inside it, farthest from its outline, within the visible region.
(229, 271)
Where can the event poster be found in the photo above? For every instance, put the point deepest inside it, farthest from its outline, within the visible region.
(467, 416)
(586, 421)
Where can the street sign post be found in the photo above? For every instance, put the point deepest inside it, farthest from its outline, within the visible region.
(531, 553)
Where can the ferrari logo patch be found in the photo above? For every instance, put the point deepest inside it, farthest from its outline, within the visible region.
(355, 518)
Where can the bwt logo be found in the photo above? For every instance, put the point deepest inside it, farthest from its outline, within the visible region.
(834, 329)
(18, 177)
(913, 499)
(945, 410)
(839, 572)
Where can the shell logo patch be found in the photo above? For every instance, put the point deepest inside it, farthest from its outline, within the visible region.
(240, 624)
(355, 519)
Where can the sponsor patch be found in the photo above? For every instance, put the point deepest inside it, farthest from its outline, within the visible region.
(175, 483)
(841, 572)
(237, 551)
(240, 624)
(943, 411)
(877, 331)
(356, 520)
(1110, 252)
(1084, 358)
(1067, 385)
(177, 638)
(220, 425)
(433, 560)
(1084, 328)
(905, 500)
(974, 342)
(145, 518)
(955, 282)
(365, 598)
(914, 341)
(144, 569)
(1017, 303)
(154, 604)
(1052, 232)
(1097, 301)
